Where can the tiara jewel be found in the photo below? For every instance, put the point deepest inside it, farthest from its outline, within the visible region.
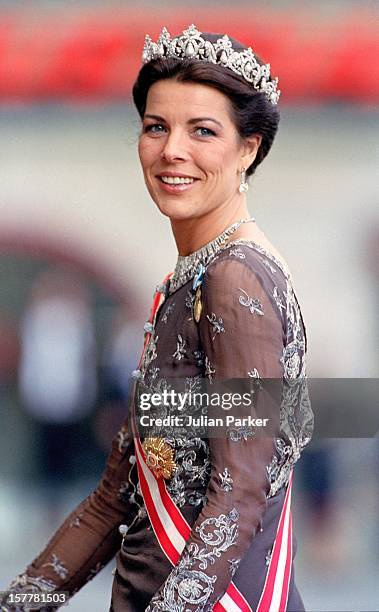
(191, 45)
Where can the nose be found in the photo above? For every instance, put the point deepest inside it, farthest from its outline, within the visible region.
(174, 148)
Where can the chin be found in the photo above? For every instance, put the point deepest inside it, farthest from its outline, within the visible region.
(179, 210)
(176, 215)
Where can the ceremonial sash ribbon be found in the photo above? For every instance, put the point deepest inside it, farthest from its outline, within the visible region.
(173, 531)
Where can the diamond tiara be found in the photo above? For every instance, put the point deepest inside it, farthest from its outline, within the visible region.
(191, 45)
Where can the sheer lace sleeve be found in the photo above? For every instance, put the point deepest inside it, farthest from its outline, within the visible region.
(242, 334)
(89, 536)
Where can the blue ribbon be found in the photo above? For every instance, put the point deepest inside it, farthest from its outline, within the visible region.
(198, 279)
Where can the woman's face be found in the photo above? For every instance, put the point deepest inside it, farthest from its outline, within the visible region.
(190, 151)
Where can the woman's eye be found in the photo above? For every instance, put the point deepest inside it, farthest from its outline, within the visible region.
(154, 128)
(203, 131)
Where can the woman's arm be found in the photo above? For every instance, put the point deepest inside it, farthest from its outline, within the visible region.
(242, 333)
(89, 536)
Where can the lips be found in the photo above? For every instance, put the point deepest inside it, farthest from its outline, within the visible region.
(176, 180)
(174, 183)
(174, 173)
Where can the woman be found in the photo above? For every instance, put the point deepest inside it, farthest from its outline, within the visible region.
(205, 520)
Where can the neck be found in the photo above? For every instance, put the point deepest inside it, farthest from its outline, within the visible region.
(191, 234)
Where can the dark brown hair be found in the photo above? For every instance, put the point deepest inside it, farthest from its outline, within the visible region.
(252, 112)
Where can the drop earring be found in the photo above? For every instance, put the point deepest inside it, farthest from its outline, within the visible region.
(243, 188)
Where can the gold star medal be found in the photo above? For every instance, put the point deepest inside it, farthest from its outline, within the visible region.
(159, 457)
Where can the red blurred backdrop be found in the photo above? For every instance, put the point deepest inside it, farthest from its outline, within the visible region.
(92, 54)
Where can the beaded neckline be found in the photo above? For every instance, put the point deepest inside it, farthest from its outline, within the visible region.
(187, 265)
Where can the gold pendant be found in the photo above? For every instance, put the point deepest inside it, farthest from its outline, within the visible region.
(159, 457)
(197, 305)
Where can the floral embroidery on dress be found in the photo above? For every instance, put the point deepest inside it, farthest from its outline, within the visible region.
(77, 520)
(187, 584)
(150, 353)
(233, 565)
(28, 584)
(219, 532)
(151, 376)
(257, 384)
(192, 384)
(190, 588)
(209, 369)
(238, 433)
(267, 256)
(291, 359)
(199, 356)
(217, 324)
(157, 385)
(253, 304)
(180, 350)
(237, 253)
(32, 583)
(253, 373)
(167, 312)
(123, 493)
(226, 480)
(123, 439)
(193, 466)
(189, 300)
(184, 586)
(196, 498)
(278, 300)
(268, 265)
(296, 427)
(58, 566)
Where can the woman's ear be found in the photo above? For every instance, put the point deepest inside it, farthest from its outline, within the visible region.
(250, 150)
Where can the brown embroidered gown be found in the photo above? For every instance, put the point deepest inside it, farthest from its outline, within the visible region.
(229, 488)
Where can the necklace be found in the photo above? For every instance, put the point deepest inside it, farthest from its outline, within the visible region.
(187, 265)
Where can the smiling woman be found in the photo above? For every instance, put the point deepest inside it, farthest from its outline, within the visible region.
(212, 126)
(205, 520)
(192, 155)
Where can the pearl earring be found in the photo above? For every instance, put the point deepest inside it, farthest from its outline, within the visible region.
(243, 188)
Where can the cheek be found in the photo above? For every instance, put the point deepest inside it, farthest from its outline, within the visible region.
(148, 152)
(221, 163)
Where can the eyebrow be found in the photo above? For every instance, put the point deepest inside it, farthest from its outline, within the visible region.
(190, 121)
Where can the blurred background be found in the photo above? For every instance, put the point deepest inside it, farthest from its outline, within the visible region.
(82, 248)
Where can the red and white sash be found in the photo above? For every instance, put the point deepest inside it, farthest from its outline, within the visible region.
(173, 531)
